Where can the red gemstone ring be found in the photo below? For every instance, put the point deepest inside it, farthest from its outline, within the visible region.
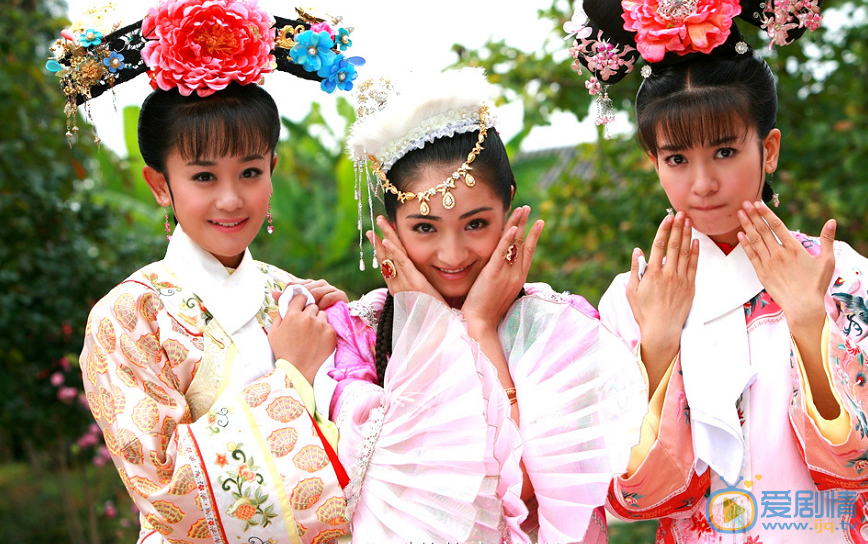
(511, 253)
(388, 269)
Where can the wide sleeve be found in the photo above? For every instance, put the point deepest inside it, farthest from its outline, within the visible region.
(661, 479)
(581, 396)
(354, 351)
(835, 450)
(419, 448)
(251, 469)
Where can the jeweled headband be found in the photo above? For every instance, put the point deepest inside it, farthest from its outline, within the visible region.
(198, 46)
(396, 117)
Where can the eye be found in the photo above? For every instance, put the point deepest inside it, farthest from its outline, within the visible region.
(251, 173)
(423, 228)
(725, 153)
(203, 176)
(675, 160)
(476, 224)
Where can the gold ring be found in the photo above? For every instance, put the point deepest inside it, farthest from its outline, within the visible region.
(388, 269)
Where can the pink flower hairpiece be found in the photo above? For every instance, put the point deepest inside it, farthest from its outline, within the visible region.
(203, 45)
(682, 26)
(781, 16)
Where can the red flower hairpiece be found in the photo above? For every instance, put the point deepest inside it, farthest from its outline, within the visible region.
(203, 45)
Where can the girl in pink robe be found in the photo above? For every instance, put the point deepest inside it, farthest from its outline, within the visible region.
(471, 406)
(752, 336)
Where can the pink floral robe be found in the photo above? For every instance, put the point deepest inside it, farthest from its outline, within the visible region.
(434, 456)
(805, 473)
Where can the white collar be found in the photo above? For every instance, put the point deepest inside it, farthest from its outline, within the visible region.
(715, 356)
(232, 299)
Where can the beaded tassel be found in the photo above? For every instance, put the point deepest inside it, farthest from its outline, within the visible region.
(371, 188)
(605, 111)
(167, 226)
(357, 192)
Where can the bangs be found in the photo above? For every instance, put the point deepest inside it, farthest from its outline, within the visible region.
(694, 118)
(234, 129)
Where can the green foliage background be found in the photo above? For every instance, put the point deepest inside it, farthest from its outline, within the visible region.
(78, 220)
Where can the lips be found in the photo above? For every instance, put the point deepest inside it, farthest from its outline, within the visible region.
(708, 208)
(228, 225)
(454, 274)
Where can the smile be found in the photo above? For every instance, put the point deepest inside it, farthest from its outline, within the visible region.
(456, 271)
(228, 225)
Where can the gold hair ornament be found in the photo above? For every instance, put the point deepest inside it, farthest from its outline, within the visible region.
(445, 187)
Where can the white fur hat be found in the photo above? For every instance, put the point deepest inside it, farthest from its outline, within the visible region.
(400, 114)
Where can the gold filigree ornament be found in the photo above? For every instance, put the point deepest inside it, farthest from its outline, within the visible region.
(445, 187)
(83, 61)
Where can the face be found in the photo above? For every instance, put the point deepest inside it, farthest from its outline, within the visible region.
(710, 183)
(450, 247)
(221, 203)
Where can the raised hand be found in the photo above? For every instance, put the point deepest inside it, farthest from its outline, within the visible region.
(325, 294)
(662, 297)
(797, 282)
(504, 275)
(404, 276)
(303, 337)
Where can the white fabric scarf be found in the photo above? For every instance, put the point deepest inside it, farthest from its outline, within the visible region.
(715, 357)
(232, 299)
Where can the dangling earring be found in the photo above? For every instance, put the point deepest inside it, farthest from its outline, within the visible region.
(167, 226)
(769, 194)
(270, 228)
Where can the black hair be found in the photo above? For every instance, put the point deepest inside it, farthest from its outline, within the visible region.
(704, 100)
(491, 167)
(240, 120)
(707, 99)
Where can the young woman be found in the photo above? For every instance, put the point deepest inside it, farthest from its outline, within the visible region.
(200, 387)
(471, 406)
(748, 332)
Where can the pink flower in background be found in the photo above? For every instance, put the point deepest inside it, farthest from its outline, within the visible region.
(110, 509)
(683, 26)
(203, 45)
(57, 379)
(67, 394)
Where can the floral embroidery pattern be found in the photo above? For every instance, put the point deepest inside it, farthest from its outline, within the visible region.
(163, 287)
(245, 483)
(632, 498)
(217, 419)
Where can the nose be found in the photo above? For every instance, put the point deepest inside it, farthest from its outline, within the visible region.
(704, 181)
(452, 250)
(228, 198)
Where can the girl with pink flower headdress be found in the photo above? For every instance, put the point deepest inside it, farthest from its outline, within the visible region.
(753, 337)
(196, 369)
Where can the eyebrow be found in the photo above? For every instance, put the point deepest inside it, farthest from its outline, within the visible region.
(463, 216)
(249, 158)
(720, 141)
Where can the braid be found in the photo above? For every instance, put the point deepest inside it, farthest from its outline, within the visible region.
(383, 347)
